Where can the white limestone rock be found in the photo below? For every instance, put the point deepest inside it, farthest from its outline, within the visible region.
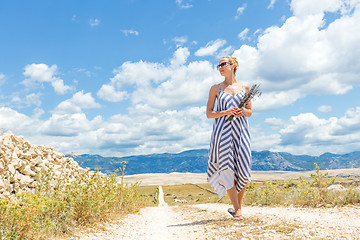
(336, 187)
(22, 163)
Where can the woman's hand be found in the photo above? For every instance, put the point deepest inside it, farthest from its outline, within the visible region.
(237, 112)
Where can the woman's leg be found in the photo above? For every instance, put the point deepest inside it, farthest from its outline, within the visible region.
(233, 195)
(240, 196)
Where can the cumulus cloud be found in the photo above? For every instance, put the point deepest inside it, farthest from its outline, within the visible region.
(180, 56)
(167, 131)
(240, 11)
(15, 121)
(161, 86)
(243, 35)
(85, 71)
(180, 41)
(2, 78)
(68, 124)
(37, 112)
(308, 7)
(325, 108)
(108, 93)
(75, 104)
(308, 134)
(272, 3)
(94, 22)
(129, 134)
(303, 56)
(184, 3)
(211, 48)
(27, 101)
(128, 32)
(60, 87)
(42, 73)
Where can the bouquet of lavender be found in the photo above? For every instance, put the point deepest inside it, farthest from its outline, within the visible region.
(254, 91)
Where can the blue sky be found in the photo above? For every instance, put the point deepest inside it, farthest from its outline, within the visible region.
(132, 77)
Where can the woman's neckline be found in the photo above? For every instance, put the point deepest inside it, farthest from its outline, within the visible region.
(242, 89)
(232, 94)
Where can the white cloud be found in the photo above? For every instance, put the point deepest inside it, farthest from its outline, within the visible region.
(309, 7)
(180, 41)
(94, 22)
(272, 3)
(85, 71)
(60, 87)
(325, 108)
(42, 73)
(33, 99)
(184, 3)
(39, 72)
(75, 104)
(139, 73)
(165, 87)
(308, 134)
(166, 131)
(128, 32)
(225, 52)
(28, 100)
(68, 124)
(240, 11)
(108, 93)
(2, 78)
(275, 123)
(243, 35)
(211, 48)
(16, 122)
(180, 56)
(303, 56)
(37, 112)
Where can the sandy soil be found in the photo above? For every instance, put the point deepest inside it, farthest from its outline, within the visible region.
(196, 178)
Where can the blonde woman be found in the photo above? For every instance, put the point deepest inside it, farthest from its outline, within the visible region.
(229, 161)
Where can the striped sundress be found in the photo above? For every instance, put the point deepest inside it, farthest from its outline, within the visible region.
(229, 160)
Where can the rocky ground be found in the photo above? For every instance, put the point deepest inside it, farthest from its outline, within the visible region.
(211, 221)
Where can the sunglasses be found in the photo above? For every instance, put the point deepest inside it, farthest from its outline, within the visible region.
(222, 65)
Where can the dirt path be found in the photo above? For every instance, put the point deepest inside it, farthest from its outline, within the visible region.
(161, 222)
(211, 221)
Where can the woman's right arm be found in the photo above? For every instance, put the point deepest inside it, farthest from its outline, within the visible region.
(210, 113)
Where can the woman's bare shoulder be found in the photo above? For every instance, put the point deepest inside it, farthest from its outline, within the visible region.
(215, 88)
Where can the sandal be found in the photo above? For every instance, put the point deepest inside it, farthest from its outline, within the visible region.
(238, 218)
(231, 211)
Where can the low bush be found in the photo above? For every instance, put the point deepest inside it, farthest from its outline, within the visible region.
(92, 197)
(302, 193)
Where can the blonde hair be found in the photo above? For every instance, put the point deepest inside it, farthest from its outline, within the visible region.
(232, 61)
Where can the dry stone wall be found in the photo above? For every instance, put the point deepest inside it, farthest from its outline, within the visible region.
(22, 164)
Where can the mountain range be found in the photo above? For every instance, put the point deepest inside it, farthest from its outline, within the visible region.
(195, 161)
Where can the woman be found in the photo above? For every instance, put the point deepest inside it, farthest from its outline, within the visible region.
(229, 161)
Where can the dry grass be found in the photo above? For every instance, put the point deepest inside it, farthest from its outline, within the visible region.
(91, 198)
(190, 194)
(300, 192)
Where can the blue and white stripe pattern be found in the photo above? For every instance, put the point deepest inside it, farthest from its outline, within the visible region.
(230, 148)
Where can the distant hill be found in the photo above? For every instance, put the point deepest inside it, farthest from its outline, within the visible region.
(195, 161)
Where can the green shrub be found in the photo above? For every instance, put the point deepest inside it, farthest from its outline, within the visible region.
(302, 193)
(92, 197)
